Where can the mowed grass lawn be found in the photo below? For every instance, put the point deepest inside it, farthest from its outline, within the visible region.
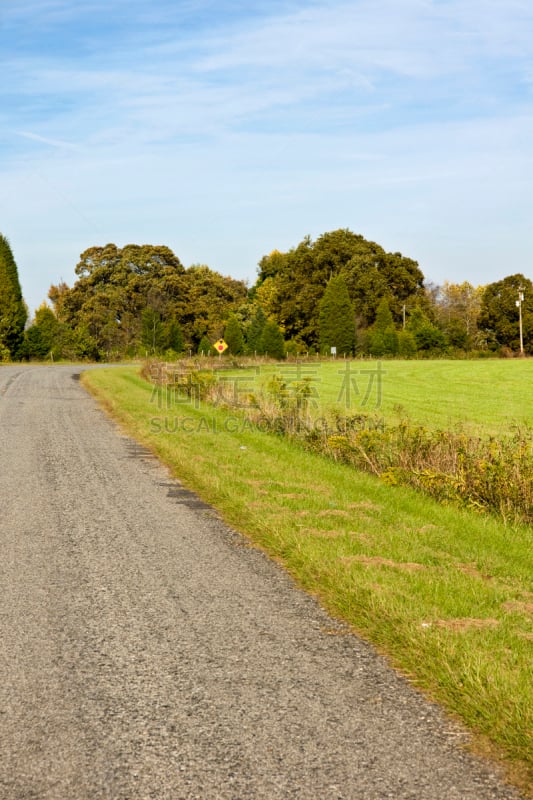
(484, 395)
(445, 593)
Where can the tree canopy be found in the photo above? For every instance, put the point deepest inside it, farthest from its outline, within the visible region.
(294, 282)
(457, 312)
(142, 296)
(499, 315)
(340, 290)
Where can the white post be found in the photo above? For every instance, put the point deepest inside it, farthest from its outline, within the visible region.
(519, 304)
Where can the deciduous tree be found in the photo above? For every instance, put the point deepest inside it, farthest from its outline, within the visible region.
(296, 281)
(428, 337)
(43, 335)
(152, 330)
(457, 307)
(142, 296)
(499, 317)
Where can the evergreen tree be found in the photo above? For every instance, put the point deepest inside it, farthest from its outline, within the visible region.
(383, 340)
(233, 336)
(41, 337)
(13, 312)
(272, 343)
(255, 332)
(173, 336)
(336, 318)
(384, 318)
(205, 348)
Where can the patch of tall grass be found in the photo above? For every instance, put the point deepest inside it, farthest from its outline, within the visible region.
(484, 473)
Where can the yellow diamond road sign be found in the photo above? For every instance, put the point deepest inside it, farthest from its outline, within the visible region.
(220, 346)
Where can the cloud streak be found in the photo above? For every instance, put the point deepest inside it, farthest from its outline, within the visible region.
(35, 137)
(393, 117)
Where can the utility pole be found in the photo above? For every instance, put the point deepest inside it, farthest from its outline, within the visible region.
(519, 305)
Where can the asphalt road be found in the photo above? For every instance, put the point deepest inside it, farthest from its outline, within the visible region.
(147, 652)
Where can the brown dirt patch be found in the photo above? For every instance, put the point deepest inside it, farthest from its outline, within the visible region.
(333, 512)
(516, 606)
(465, 623)
(364, 505)
(372, 561)
(472, 571)
(257, 486)
(331, 534)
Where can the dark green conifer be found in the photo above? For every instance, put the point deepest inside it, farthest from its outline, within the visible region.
(272, 343)
(336, 318)
(383, 336)
(255, 331)
(205, 348)
(13, 311)
(233, 336)
(173, 336)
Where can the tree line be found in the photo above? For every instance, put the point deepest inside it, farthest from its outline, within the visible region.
(340, 293)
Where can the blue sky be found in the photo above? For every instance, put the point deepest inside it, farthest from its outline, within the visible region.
(225, 129)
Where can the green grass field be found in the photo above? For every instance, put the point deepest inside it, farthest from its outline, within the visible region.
(445, 593)
(490, 395)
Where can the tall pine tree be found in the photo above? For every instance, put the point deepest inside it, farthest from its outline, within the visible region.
(272, 343)
(233, 336)
(383, 336)
(255, 331)
(336, 318)
(13, 312)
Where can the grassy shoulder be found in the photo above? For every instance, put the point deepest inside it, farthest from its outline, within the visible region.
(446, 594)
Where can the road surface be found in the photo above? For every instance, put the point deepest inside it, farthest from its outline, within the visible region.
(148, 652)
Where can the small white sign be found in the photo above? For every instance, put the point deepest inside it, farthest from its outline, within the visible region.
(333, 351)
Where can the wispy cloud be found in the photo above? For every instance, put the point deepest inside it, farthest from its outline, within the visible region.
(46, 140)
